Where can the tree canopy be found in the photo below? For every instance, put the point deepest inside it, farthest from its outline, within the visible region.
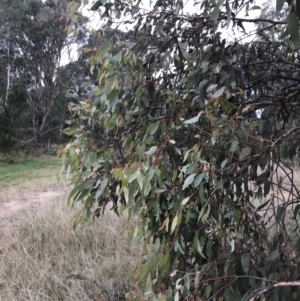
(34, 46)
(185, 130)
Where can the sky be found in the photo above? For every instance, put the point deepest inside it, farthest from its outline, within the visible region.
(229, 34)
(188, 9)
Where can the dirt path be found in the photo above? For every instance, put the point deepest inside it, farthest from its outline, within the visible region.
(12, 208)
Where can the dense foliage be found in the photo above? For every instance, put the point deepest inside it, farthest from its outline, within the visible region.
(184, 129)
(36, 69)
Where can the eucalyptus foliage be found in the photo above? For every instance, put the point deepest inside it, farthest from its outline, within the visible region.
(183, 130)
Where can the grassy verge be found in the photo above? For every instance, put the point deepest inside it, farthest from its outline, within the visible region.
(18, 182)
(40, 249)
(29, 176)
(32, 168)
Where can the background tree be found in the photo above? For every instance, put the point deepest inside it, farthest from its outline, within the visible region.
(35, 44)
(192, 126)
(289, 148)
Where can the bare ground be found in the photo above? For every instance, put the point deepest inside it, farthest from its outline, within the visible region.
(29, 202)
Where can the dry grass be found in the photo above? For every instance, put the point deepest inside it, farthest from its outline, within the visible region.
(282, 195)
(39, 249)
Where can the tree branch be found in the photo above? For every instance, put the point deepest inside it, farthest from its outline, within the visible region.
(270, 287)
(287, 134)
(29, 140)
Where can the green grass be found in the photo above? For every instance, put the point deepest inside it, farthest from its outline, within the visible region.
(20, 180)
(28, 169)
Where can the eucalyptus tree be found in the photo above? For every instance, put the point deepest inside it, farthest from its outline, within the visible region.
(188, 124)
(35, 43)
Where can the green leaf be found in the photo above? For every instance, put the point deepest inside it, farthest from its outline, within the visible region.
(280, 214)
(118, 56)
(245, 152)
(176, 297)
(254, 7)
(272, 256)
(223, 164)
(148, 286)
(293, 29)
(230, 267)
(104, 48)
(279, 5)
(267, 187)
(184, 201)
(194, 119)
(152, 128)
(174, 223)
(230, 295)
(211, 88)
(296, 211)
(234, 145)
(96, 5)
(139, 178)
(275, 296)
(218, 93)
(89, 201)
(190, 168)
(245, 261)
(218, 183)
(189, 180)
(298, 8)
(186, 156)
(285, 33)
(208, 291)
(228, 9)
(138, 94)
(215, 14)
(230, 214)
(132, 177)
(151, 151)
(73, 192)
(179, 219)
(263, 161)
(186, 55)
(232, 244)
(202, 84)
(126, 194)
(226, 105)
(197, 245)
(198, 180)
(263, 205)
(206, 214)
(202, 194)
(104, 183)
(82, 195)
(160, 190)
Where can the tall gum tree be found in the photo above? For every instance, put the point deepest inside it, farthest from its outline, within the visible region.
(183, 131)
(34, 38)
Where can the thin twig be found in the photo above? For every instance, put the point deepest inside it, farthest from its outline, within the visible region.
(29, 140)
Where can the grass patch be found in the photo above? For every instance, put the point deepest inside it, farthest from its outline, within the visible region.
(28, 169)
(20, 180)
